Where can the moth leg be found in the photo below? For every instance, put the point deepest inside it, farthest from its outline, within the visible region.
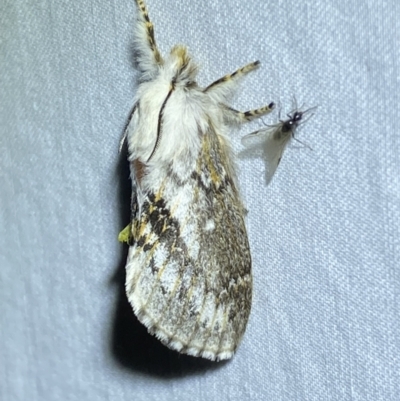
(229, 81)
(233, 116)
(148, 53)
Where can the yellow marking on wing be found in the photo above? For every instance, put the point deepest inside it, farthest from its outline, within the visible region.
(141, 229)
(164, 228)
(215, 178)
(159, 193)
(222, 141)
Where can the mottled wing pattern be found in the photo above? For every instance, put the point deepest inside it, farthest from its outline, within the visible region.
(189, 270)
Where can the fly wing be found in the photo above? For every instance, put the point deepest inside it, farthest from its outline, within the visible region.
(272, 142)
(189, 270)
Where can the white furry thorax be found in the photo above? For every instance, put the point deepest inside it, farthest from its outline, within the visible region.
(186, 115)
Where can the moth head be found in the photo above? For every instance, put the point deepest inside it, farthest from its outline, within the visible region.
(182, 66)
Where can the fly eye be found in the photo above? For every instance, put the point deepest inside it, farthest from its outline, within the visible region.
(297, 116)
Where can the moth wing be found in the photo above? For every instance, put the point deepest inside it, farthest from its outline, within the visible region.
(272, 142)
(189, 271)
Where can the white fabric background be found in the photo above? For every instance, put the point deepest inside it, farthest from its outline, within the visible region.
(324, 235)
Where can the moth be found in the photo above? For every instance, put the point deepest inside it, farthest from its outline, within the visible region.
(273, 139)
(188, 273)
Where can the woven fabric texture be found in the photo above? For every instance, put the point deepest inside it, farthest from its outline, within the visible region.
(324, 234)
